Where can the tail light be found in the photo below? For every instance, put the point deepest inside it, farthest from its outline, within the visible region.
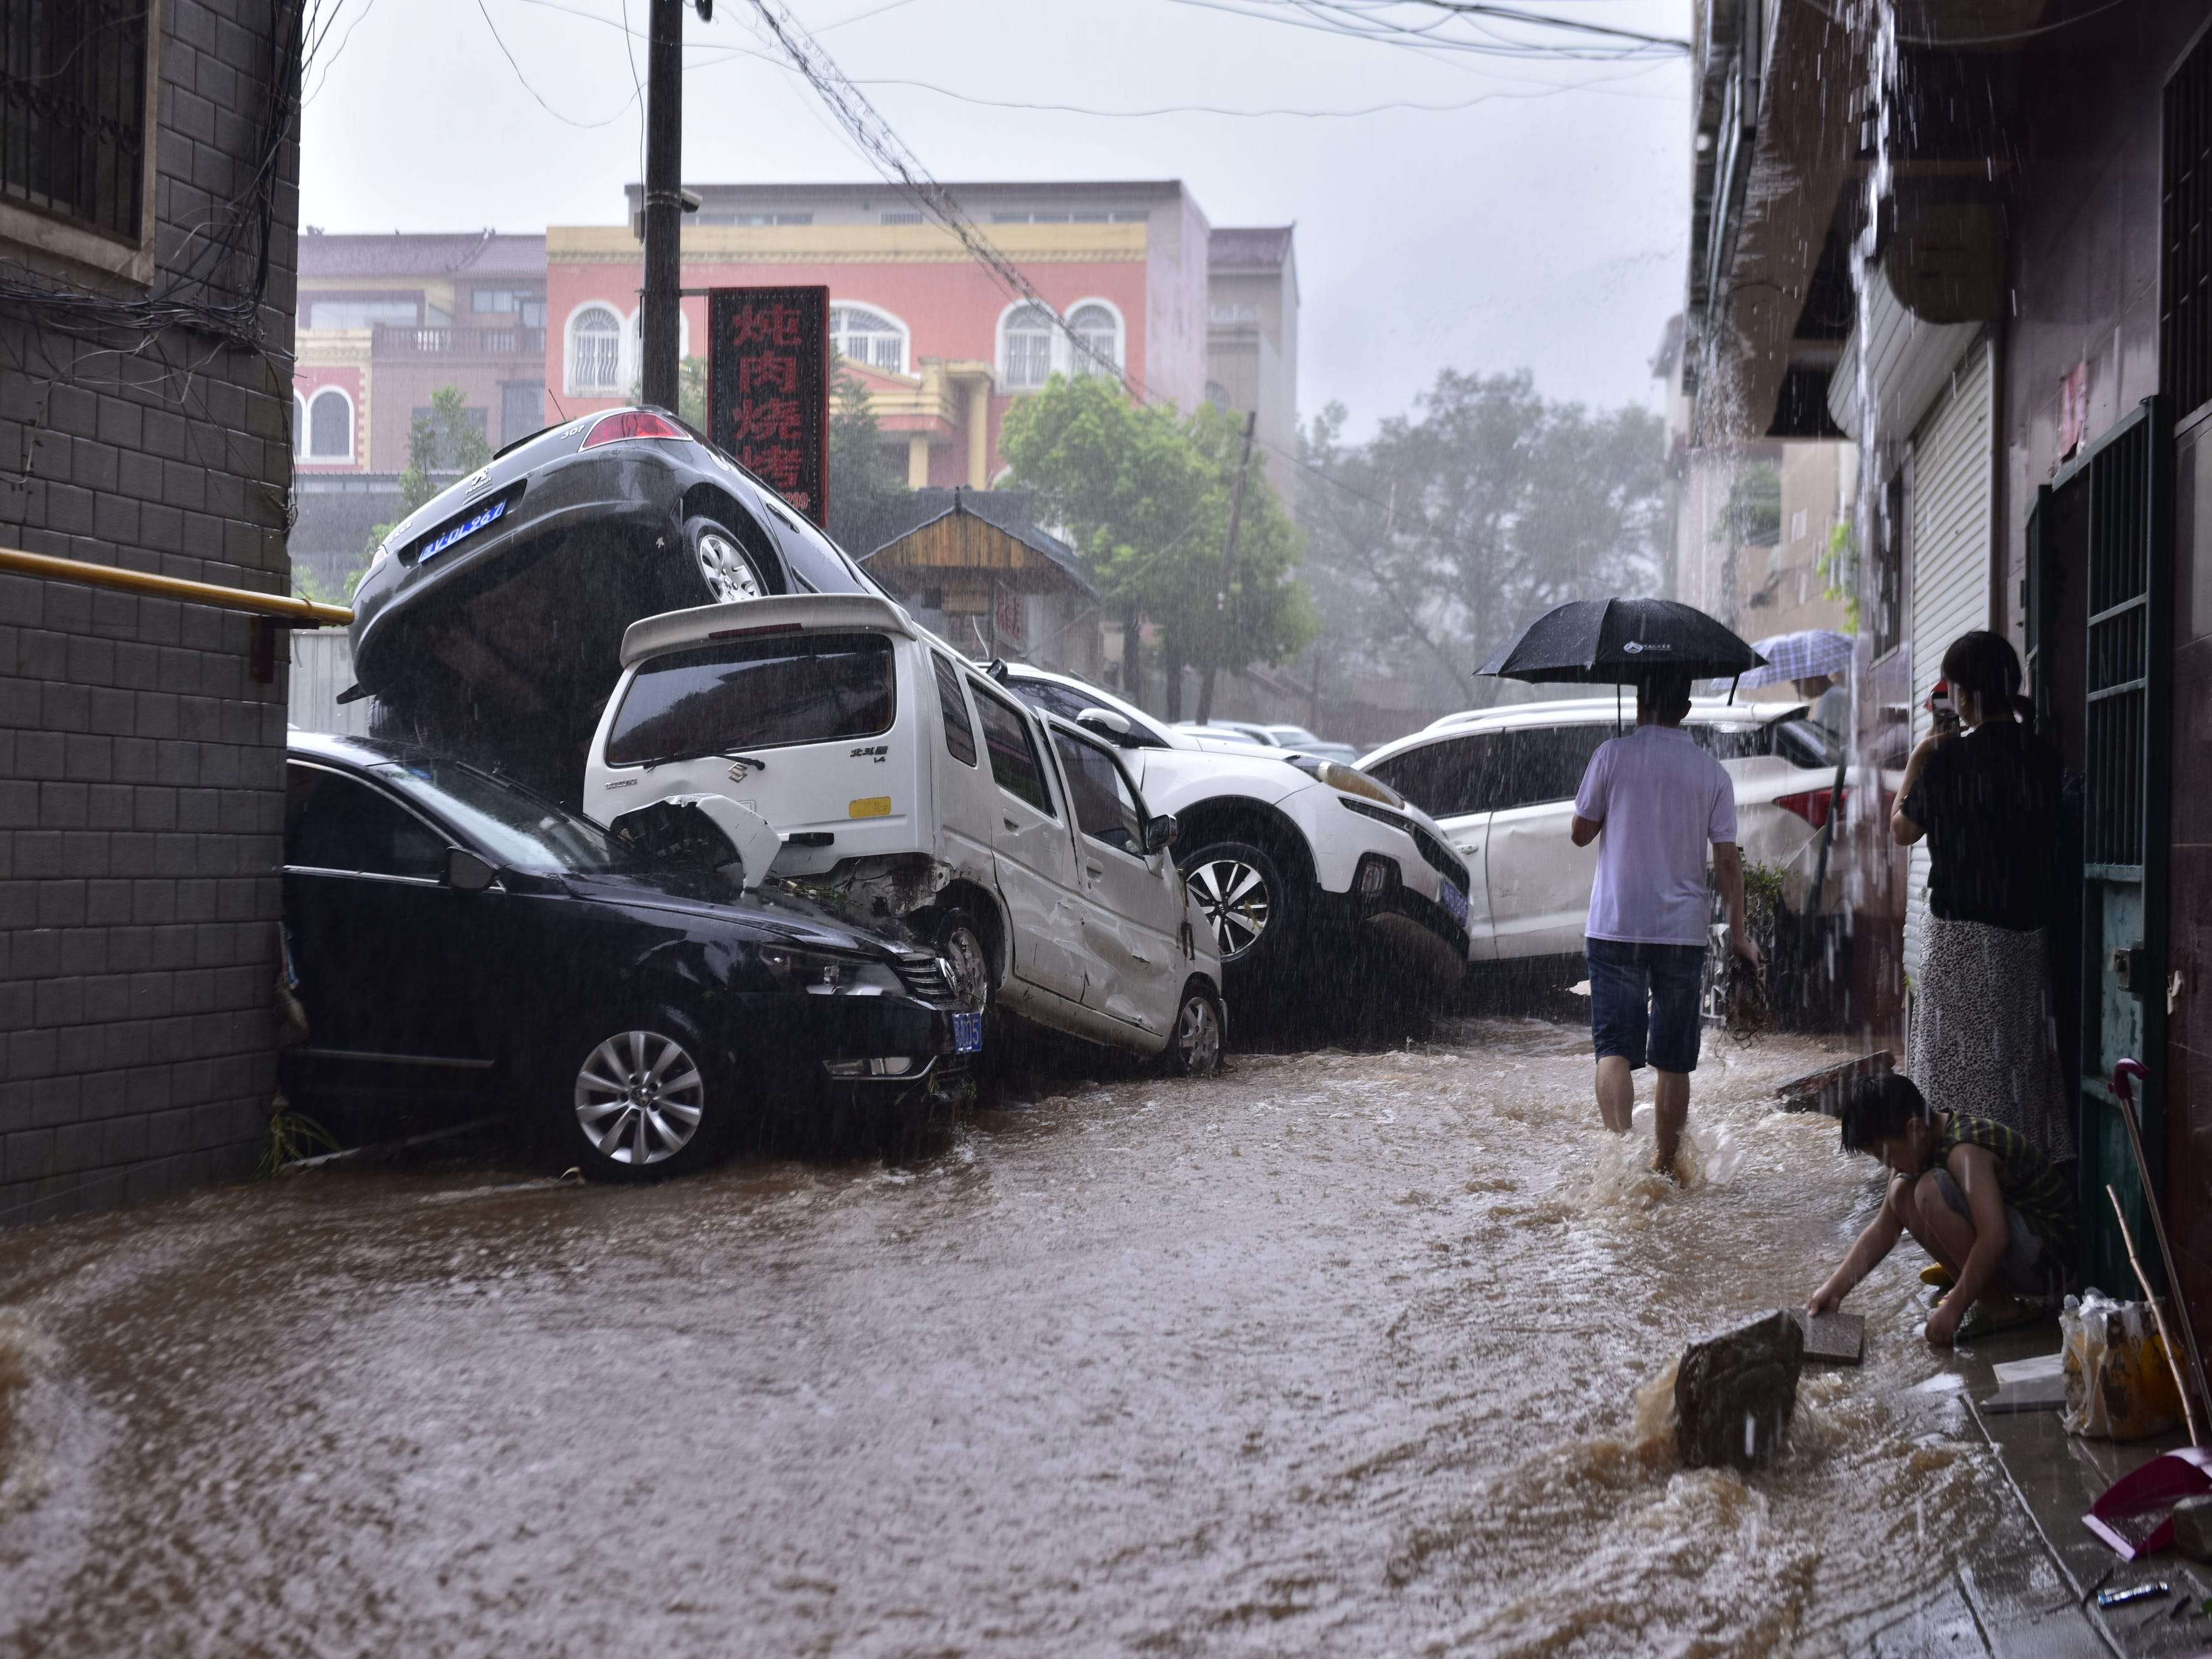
(632, 423)
(1813, 804)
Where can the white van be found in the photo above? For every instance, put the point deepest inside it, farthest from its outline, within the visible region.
(902, 779)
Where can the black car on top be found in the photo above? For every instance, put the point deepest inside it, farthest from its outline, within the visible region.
(448, 932)
(489, 621)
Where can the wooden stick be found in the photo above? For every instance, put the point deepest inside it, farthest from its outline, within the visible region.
(2158, 1317)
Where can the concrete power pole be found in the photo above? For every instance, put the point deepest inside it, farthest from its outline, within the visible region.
(659, 321)
(1228, 560)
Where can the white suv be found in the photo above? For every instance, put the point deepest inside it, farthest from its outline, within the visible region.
(1285, 853)
(1502, 782)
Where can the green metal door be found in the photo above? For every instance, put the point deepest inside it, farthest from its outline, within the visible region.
(2124, 668)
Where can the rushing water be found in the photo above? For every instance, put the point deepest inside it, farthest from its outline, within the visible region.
(1339, 1353)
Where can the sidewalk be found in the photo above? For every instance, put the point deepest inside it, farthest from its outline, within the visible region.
(2009, 1606)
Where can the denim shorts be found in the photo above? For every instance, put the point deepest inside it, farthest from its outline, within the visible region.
(1644, 1002)
(2027, 1267)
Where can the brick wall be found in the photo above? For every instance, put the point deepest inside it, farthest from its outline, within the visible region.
(141, 764)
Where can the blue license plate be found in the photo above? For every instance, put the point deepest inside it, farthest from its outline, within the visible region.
(469, 527)
(1455, 902)
(967, 1034)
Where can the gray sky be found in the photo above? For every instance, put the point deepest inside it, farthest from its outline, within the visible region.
(1544, 227)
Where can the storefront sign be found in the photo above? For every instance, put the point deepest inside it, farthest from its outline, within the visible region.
(768, 387)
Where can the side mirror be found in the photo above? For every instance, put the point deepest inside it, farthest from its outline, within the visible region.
(1105, 722)
(467, 873)
(1161, 831)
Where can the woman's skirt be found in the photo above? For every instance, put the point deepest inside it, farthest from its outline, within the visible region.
(1980, 1042)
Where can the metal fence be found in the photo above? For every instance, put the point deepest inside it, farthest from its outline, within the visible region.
(322, 666)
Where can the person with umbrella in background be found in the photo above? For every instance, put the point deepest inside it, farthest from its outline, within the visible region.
(1654, 801)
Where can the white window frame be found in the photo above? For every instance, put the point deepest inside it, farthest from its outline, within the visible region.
(1055, 355)
(1076, 362)
(898, 326)
(570, 383)
(298, 422)
(352, 440)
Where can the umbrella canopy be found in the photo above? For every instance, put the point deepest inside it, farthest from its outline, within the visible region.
(1800, 656)
(1621, 641)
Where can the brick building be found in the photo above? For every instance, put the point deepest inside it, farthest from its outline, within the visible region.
(140, 762)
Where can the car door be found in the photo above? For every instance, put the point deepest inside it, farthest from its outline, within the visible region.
(1033, 853)
(372, 927)
(1540, 881)
(1134, 904)
(1455, 780)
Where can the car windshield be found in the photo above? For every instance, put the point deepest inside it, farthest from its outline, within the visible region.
(517, 829)
(1068, 701)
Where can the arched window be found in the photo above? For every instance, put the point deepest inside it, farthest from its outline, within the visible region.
(1218, 395)
(1026, 356)
(299, 423)
(867, 335)
(330, 426)
(1100, 330)
(595, 342)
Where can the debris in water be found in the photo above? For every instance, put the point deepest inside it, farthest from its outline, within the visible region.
(1734, 1392)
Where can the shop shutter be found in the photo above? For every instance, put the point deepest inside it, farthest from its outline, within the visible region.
(1952, 481)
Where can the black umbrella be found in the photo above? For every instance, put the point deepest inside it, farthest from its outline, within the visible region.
(1621, 641)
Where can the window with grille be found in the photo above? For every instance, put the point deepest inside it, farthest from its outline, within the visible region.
(1028, 332)
(2185, 290)
(595, 351)
(1100, 331)
(868, 337)
(73, 110)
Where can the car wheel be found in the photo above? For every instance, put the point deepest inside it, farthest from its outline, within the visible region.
(719, 565)
(1240, 890)
(1195, 1048)
(959, 940)
(644, 1099)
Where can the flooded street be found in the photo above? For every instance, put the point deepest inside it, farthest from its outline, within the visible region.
(1335, 1353)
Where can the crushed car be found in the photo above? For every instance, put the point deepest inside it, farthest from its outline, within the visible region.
(637, 991)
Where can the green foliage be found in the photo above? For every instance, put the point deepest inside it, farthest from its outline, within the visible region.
(1433, 542)
(691, 392)
(865, 479)
(1144, 494)
(1751, 514)
(1839, 569)
(290, 1138)
(443, 441)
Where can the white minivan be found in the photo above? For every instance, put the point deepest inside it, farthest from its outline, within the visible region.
(904, 780)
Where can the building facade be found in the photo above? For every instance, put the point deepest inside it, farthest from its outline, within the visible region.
(142, 740)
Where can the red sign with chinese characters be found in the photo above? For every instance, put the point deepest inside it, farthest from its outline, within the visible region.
(767, 388)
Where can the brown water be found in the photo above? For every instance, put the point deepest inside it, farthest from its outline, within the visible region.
(1337, 1354)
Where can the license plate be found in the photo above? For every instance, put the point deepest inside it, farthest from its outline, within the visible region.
(1455, 902)
(967, 1034)
(468, 527)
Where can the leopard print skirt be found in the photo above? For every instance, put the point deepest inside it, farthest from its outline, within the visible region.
(1980, 1040)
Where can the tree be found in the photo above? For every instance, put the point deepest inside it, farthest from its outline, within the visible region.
(442, 439)
(1144, 495)
(1431, 543)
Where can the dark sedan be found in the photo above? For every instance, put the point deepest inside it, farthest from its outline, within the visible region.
(489, 621)
(449, 933)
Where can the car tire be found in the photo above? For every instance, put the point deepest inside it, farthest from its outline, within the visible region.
(961, 940)
(718, 569)
(641, 1097)
(1241, 890)
(1201, 1030)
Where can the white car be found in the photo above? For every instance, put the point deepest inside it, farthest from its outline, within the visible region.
(1502, 782)
(1287, 854)
(897, 776)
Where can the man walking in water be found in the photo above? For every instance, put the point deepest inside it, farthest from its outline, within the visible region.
(1658, 799)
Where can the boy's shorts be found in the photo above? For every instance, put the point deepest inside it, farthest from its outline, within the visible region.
(2028, 1268)
(1644, 1002)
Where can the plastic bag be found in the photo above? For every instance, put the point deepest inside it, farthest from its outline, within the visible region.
(2118, 1385)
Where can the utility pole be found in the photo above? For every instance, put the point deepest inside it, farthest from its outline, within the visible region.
(1228, 560)
(659, 319)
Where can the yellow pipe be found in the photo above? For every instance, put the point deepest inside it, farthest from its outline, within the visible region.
(282, 606)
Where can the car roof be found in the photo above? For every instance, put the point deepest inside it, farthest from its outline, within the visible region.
(1591, 711)
(794, 613)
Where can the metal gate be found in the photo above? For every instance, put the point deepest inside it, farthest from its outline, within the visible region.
(2104, 693)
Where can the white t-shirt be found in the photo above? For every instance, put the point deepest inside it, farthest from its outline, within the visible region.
(1661, 798)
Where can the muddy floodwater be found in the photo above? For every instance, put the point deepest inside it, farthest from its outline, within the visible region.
(1334, 1354)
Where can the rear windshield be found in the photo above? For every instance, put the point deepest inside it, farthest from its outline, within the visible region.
(1800, 742)
(743, 694)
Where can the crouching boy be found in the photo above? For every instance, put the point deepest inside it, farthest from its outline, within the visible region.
(1977, 1195)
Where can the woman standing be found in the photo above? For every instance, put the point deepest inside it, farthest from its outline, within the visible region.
(1987, 801)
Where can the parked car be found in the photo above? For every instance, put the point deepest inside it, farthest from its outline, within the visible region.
(1502, 782)
(1298, 737)
(447, 930)
(489, 619)
(1289, 855)
(1235, 731)
(902, 778)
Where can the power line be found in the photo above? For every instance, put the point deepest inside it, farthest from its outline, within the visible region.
(511, 63)
(1376, 20)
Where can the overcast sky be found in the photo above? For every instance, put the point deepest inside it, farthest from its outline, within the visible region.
(1543, 226)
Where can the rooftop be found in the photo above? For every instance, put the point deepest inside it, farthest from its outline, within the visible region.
(1249, 248)
(324, 257)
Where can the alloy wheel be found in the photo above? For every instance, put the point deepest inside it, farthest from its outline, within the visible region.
(967, 966)
(723, 566)
(1198, 1035)
(639, 1097)
(1235, 898)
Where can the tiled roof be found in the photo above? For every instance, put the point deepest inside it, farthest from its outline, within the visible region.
(324, 257)
(1249, 248)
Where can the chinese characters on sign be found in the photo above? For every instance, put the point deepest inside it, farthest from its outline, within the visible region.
(768, 387)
